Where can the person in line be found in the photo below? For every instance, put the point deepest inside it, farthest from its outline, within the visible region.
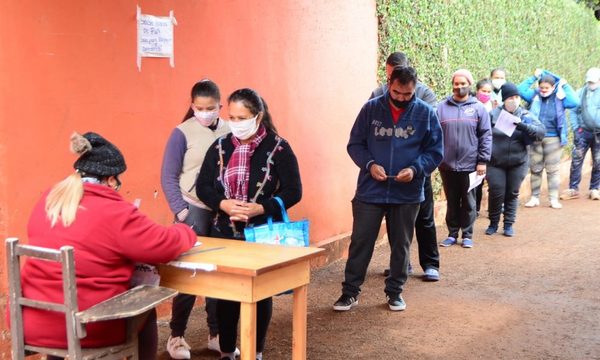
(483, 93)
(429, 256)
(498, 78)
(108, 234)
(396, 142)
(585, 122)
(467, 148)
(509, 162)
(548, 102)
(241, 174)
(182, 159)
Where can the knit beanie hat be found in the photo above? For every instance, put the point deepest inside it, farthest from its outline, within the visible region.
(509, 89)
(463, 72)
(97, 156)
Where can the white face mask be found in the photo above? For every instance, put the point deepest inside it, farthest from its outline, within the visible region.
(497, 83)
(511, 105)
(244, 129)
(593, 85)
(206, 118)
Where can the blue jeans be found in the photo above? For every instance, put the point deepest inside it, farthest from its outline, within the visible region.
(584, 141)
(365, 228)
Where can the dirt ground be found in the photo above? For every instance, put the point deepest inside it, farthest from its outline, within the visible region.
(533, 296)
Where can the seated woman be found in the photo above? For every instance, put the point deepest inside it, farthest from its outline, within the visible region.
(241, 174)
(508, 166)
(108, 235)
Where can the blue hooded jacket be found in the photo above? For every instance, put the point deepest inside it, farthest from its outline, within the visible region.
(414, 142)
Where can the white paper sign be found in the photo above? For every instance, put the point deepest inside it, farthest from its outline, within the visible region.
(475, 180)
(506, 123)
(155, 37)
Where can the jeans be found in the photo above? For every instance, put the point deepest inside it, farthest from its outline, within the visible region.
(365, 228)
(504, 184)
(460, 203)
(545, 154)
(200, 220)
(584, 141)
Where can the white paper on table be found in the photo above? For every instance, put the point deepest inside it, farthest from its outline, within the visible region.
(475, 180)
(193, 265)
(506, 123)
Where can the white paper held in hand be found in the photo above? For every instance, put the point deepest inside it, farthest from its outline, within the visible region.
(475, 180)
(506, 123)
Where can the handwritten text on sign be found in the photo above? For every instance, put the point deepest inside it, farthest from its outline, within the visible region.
(155, 36)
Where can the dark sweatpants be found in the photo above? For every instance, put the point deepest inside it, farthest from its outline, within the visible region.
(429, 256)
(365, 228)
(460, 203)
(504, 184)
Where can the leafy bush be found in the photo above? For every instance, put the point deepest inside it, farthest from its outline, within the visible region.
(441, 36)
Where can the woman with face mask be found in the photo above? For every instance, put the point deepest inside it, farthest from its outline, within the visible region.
(508, 165)
(182, 159)
(548, 102)
(497, 78)
(240, 177)
(467, 148)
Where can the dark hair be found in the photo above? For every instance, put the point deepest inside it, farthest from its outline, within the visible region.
(483, 82)
(496, 70)
(549, 79)
(404, 75)
(255, 103)
(204, 88)
(397, 59)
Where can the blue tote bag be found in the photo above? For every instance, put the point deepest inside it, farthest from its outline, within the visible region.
(287, 233)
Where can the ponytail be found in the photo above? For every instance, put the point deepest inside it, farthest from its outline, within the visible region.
(64, 199)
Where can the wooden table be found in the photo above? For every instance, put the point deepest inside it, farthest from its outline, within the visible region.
(248, 273)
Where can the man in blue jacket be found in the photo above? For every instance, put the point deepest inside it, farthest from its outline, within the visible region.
(396, 141)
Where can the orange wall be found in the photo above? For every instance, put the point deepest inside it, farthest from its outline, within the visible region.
(71, 65)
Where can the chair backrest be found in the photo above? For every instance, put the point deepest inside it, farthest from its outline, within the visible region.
(69, 307)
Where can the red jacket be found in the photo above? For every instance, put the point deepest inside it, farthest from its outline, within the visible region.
(109, 234)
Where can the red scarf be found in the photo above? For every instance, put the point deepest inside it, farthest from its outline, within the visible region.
(237, 173)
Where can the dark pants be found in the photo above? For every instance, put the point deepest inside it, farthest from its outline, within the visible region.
(228, 315)
(147, 339)
(365, 228)
(504, 184)
(479, 196)
(460, 203)
(582, 142)
(200, 220)
(429, 256)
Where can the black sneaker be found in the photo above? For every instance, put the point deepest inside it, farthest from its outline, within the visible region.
(345, 303)
(396, 303)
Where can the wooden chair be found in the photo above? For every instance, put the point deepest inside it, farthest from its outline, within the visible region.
(133, 305)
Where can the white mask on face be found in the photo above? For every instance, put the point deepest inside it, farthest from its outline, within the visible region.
(497, 83)
(206, 118)
(511, 105)
(593, 85)
(244, 129)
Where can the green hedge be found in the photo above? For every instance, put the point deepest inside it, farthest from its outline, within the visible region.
(440, 36)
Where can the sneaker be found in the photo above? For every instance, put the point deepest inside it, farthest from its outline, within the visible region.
(492, 229)
(345, 303)
(595, 194)
(178, 348)
(431, 274)
(386, 272)
(555, 204)
(448, 242)
(569, 194)
(533, 202)
(396, 303)
(467, 243)
(508, 230)
(213, 344)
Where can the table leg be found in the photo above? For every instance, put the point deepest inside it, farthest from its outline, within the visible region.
(248, 331)
(299, 323)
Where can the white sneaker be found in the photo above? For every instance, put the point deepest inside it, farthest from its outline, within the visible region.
(555, 204)
(178, 348)
(213, 344)
(595, 194)
(533, 202)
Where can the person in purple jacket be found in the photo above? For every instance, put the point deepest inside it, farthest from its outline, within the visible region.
(467, 148)
(182, 160)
